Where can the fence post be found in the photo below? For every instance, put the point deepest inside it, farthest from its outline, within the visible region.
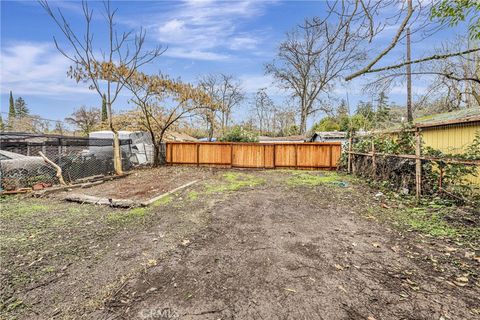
(264, 157)
(198, 154)
(374, 160)
(274, 159)
(331, 157)
(418, 164)
(296, 156)
(231, 154)
(350, 141)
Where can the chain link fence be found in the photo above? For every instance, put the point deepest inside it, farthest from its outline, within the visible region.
(21, 165)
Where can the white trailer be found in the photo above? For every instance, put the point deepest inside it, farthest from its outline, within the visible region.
(140, 150)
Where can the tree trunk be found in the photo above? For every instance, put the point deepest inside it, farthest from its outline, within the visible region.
(210, 132)
(117, 154)
(156, 154)
(303, 123)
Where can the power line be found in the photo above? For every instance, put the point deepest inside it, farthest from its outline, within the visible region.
(34, 117)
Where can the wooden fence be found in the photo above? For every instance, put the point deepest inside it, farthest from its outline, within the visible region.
(315, 155)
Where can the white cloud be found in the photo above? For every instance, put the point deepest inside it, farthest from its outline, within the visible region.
(36, 69)
(243, 42)
(208, 27)
(172, 28)
(195, 54)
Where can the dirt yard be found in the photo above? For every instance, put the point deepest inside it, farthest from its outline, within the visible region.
(241, 245)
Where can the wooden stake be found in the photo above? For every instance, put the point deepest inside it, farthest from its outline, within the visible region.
(418, 164)
(350, 141)
(53, 164)
(374, 162)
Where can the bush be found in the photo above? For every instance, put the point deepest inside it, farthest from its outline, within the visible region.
(239, 134)
(399, 173)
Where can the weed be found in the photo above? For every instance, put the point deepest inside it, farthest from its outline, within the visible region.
(163, 201)
(21, 209)
(126, 216)
(192, 195)
(14, 305)
(307, 179)
(428, 220)
(235, 181)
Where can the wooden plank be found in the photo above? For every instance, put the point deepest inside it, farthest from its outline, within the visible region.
(198, 154)
(374, 162)
(410, 156)
(255, 155)
(331, 156)
(349, 164)
(418, 165)
(152, 200)
(231, 155)
(274, 163)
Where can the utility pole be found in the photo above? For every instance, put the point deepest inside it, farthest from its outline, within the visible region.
(409, 80)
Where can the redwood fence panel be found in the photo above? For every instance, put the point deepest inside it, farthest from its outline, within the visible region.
(314, 155)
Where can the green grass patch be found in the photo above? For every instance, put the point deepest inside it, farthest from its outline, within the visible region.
(429, 220)
(308, 179)
(235, 181)
(126, 216)
(163, 201)
(192, 195)
(21, 209)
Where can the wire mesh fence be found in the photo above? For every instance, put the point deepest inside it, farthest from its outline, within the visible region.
(406, 166)
(21, 165)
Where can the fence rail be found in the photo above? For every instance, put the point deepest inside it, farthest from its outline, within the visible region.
(315, 155)
(415, 166)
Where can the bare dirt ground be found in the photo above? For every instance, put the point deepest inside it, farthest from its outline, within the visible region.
(242, 245)
(147, 183)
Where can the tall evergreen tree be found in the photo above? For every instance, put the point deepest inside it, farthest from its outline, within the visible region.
(104, 108)
(11, 111)
(2, 125)
(21, 109)
(383, 107)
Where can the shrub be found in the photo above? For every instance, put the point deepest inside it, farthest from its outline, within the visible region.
(239, 134)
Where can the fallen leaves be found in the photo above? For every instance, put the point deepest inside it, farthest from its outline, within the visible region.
(339, 267)
(342, 288)
(461, 281)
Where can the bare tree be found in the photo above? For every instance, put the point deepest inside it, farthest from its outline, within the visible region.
(228, 94)
(209, 84)
(95, 65)
(370, 18)
(85, 119)
(285, 121)
(311, 60)
(163, 102)
(454, 82)
(265, 112)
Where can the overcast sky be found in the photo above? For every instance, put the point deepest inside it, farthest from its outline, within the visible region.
(234, 37)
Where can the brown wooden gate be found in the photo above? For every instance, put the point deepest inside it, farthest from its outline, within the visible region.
(307, 155)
